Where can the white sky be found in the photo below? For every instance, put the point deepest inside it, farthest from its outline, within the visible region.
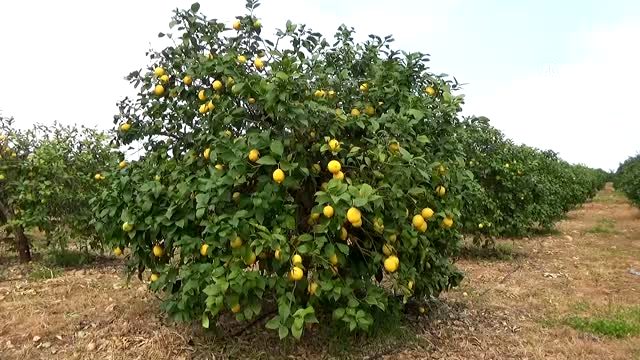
(566, 84)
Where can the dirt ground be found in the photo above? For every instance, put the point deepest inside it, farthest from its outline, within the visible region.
(514, 308)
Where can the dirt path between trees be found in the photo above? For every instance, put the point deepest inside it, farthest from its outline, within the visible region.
(573, 294)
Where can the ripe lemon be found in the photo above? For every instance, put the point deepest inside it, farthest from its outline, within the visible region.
(164, 79)
(343, 234)
(480, 226)
(296, 273)
(430, 91)
(339, 175)
(236, 196)
(96, 176)
(217, 85)
(158, 90)
(334, 166)
(276, 254)
(203, 249)
(278, 176)
(122, 164)
(254, 155)
(423, 227)
(258, 63)
(236, 308)
(242, 59)
(447, 223)
(296, 260)
(369, 110)
(387, 249)
(391, 263)
(117, 251)
(228, 133)
(257, 24)
(328, 211)
(125, 127)
(203, 109)
(187, 80)
(236, 242)
(440, 190)
(312, 288)
(158, 251)
(334, 145)
(154, 277)
(355, 112)
(427, 213)
(357, 224)
(331, 93)
(158, 71)
(251, 101)
(210, 106)
(364, 87)
(201, 95)
(354, 215)
(394, 147)
(206, 153)
(410, 284)
(417, 221)
(333, 259)
(237, 25)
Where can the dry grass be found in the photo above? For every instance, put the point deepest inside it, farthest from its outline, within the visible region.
(510, 308)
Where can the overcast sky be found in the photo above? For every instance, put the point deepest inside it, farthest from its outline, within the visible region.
(560, 75)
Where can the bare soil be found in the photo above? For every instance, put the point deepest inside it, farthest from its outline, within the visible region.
(504, 309)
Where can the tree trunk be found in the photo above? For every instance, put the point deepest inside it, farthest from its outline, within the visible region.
(22, 243)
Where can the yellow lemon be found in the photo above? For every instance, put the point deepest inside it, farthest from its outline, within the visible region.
(236, 308)
(480, 226)
(126, 227)
(203, 249)
(312, 288)
(206, 153)
(237, 25)
(410, 284)
(203, 109)
(423, 227)
(343, 234)
(354, 215)
(440, 190)
(158, 90)
(217, 85)
(278, 176)
(394, 147)
(254, 155)
(417, 221)
(210, 106)
(201, 95)
(236, 242)
(334, 166)
(258, 63)
(250, 259)
(296, 273)
(430, 91)
(393, 238)
(328, 211)
(242, 59)
(334, 145)
(357, 224)
(154, 277)
(158, 251)
(164, 79)
(391, 263)
(187, 80)
(333, 259)
(122, 164)
(447, 222)
(117, 251)
(331, 93)
(158, 71)
(296, 260)
(96, 176)
(355, 112)
(276, 254)
(339, 175)
(369, 110)
(364, 87)
(125, 127)
(427, 213)
(251, 100)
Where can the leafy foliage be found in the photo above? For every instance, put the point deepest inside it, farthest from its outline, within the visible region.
(627, 179)
(232, 205)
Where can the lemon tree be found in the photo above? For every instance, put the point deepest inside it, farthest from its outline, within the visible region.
(318, 177)
(47, 179)
(518, 189)
(627, 178)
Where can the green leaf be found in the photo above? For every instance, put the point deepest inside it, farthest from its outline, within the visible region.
(338, 313)
(423, 139)
(273, 323)
(195, 7)
(283, 331)
(205, 320)
(267, 160)
(296, 331)
(277, 147)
